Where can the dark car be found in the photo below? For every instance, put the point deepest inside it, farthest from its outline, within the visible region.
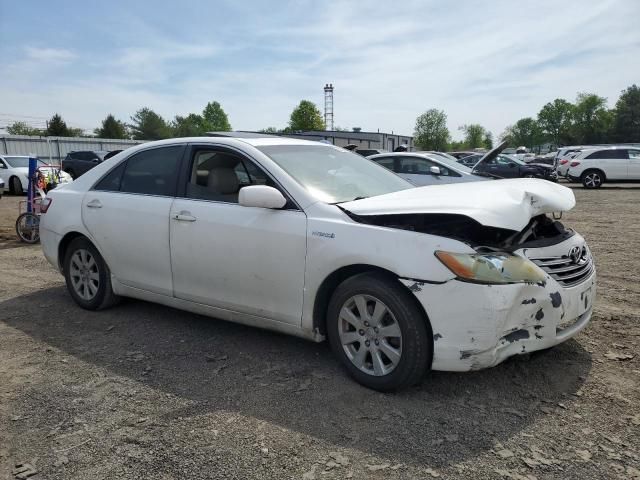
(77, 163)
(366, 152)
(460, 155)
(504, 166)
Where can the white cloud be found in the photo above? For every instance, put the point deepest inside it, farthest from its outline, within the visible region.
(53, 55)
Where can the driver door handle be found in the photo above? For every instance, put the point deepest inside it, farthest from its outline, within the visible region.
(184, 217)
(95, 203)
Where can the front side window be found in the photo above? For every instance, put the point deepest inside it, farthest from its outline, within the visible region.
(332, 174)
(218, 176)
(634, 154)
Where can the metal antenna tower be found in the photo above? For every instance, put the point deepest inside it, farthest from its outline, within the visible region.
(328, 106)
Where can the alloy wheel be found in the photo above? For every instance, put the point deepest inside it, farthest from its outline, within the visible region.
(370, 335)
(592, 180)
(84, 273)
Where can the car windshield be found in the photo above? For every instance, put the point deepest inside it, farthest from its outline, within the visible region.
(21, 162)
(332, 174)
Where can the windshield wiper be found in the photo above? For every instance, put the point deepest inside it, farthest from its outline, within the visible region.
(352, 200)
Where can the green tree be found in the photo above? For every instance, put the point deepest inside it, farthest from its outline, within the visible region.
(487, 140)
(431, 132)
(111, 128)
(306, 116)
(56, 127)
(193, 125)
(555, 120)
(592, 119)
(473, 135)
(626, 118)
(270, 130)
(75, 132)
(22, 128)
(525, 132)
(215, 118)
(148, 125)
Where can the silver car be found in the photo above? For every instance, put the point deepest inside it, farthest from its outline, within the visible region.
(426, 168)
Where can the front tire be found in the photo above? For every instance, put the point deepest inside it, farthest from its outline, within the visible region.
(87, 276)
(378, 332)
(592, 179)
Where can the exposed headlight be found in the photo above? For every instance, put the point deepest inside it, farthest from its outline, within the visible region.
(493, 268)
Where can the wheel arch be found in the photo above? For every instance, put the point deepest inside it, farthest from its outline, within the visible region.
(331, 282)
(64, 244)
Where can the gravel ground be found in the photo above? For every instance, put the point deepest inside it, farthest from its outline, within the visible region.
(147, 392)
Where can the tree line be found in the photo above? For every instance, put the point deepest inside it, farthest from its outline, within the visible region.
(145, 124)
(586, 121)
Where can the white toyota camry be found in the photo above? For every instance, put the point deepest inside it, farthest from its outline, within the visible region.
(312, 240)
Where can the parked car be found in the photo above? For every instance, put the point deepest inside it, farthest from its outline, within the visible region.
(506, 166)
(367, 152)
(421, 168)
(564, 155)
(460, 155)
(595, 166)
(80, 162)
(315, 241)
(1, 186)
(15, 169)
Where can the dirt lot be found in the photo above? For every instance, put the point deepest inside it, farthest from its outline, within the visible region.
(144, 391)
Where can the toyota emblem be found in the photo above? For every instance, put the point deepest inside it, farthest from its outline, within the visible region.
(575, 253)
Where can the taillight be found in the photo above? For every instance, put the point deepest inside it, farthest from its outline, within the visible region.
(574, 164)
(45, 204)
(564, 161)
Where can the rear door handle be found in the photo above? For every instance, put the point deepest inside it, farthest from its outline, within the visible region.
(95, 203)
(184, 217)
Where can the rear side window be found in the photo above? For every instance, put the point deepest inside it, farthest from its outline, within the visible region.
(152, 172)
(608, 154)
(111, 183)
(385, 162)
(634, 154)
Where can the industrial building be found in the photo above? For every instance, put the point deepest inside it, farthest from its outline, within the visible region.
(378, 140)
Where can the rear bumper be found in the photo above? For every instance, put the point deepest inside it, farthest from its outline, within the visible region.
(50, 242)
(573, 178)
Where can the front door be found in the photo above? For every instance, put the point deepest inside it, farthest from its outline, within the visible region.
(634, 164)
(244, 259)
(127, 215)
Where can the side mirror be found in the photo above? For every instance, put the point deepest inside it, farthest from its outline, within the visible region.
(435, 170)
(261, 196)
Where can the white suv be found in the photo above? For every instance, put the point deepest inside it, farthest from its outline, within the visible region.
(595, 166)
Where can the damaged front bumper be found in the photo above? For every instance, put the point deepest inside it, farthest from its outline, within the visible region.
(477, 326)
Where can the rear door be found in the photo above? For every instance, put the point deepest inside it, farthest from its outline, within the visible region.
(127, 214)
(244, 259)
(634, 164)
(613, 162)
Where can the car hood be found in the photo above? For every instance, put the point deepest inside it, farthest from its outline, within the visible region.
(508, 204)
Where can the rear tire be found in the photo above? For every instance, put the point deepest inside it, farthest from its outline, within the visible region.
(592, 179)
(87, 276)
(388, 346)
(15, 186)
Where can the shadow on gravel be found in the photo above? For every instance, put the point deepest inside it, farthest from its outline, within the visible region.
(298, 385)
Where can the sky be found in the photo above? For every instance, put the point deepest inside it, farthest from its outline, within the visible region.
(479, 61)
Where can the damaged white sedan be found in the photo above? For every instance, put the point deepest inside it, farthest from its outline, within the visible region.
(312, 240)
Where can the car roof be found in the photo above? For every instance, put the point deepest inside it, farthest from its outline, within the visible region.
(256, 141)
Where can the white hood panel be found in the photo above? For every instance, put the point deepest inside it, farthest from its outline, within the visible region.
(508, 204)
